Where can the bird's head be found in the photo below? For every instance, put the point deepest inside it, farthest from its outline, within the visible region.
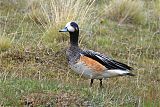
(70, 27)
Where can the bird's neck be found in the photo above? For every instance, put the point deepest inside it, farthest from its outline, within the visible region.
(74, 38)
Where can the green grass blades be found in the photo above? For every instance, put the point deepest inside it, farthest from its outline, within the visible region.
(33, 65)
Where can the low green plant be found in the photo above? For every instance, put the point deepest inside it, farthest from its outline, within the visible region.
(5, 43)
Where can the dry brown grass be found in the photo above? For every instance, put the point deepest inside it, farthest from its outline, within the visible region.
(126, 11)
(55, 14)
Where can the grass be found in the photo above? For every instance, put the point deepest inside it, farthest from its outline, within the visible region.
(5, 43)
(126, 11)
(55, 14)
(33, 67)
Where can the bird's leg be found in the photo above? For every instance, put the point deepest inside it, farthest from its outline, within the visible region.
(91, 82)
(100, 83)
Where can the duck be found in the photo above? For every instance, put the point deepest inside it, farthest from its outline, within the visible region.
(91, 64)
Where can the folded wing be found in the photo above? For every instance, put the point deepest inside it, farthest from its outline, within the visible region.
(109, 63)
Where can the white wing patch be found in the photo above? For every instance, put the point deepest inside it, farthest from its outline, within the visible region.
(115, 72)
(99, 57)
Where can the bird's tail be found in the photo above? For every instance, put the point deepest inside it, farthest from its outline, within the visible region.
(130, 74)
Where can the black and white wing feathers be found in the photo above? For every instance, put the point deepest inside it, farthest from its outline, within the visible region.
(109, 63)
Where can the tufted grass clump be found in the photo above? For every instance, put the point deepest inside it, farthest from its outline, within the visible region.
(157, 8)
(5, 43)
(126, 11)
(55, 14)
(36, 12)
(153, 15)
(61, 11)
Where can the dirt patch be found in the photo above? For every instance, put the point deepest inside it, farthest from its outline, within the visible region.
(49, 99)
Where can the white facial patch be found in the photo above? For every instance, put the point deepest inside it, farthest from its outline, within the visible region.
(69, 23)
(69, 27)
